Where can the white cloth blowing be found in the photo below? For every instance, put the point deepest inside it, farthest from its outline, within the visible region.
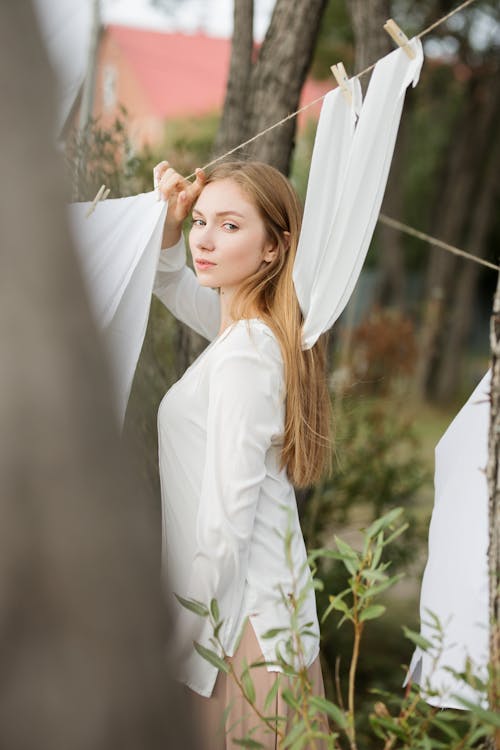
(455, 582)
(349, 171)
(225, 502)
(118, 248)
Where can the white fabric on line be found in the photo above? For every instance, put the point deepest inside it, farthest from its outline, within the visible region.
(326, 272)
(455, 582)
(118, 248)
(332, 145)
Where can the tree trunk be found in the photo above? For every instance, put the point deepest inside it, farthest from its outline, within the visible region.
(463, 172)
(272, 90)
(371, 41)
(82, 621)
(234, 113)
(493, 473)
(448, 377)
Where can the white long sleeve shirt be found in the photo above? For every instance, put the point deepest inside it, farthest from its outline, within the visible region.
(226, 504)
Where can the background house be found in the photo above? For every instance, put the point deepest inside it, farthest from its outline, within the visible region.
(158, 76)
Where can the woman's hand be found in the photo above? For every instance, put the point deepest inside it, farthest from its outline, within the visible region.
(180, 195)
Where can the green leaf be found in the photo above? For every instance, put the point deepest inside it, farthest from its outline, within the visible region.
(214, 609)
(348, 556)
(417, 639)
(249, 742)
(194, 606)
(396, 533)
(273, 692)
(488, 717)
(212, 657)
(326, 706)
(383, 522)
(370, 613)
(478, 734)
(295, 733)
(273, 632)
(446, 729)
(390, 725)
(247, 682)
(289, 698)
(378, 588)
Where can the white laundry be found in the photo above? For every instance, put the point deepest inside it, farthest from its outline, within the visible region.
(455, 582)
(222, 489)
(118, 248)
(342, 206)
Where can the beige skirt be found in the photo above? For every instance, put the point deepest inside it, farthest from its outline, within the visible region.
(208, 713)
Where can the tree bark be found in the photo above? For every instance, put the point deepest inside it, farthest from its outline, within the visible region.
(272, 89)
(469, 152)
(234, 112)
(83, 629)
(493, 474)
(371, 42)
(483, 215)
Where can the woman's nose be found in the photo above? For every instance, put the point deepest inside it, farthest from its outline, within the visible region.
(204, 238)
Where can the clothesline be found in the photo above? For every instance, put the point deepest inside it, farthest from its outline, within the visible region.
(434, 241)
(320, 98)
(383, 219)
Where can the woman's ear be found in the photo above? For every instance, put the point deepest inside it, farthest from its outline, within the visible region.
(270, 252)
(271, 249)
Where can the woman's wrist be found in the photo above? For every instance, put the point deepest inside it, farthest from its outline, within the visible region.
(171, 235)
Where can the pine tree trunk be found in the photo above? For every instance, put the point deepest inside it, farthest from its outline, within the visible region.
(482, 217)
(493, 473)
(272, 90)
(82, 623)
(469, 152)
(371, 41)
(234, 114)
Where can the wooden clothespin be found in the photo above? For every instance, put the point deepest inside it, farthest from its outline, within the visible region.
(101, 195)
(341, 77)
(399, 37)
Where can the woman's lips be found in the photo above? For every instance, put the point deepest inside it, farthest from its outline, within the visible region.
(204, 264)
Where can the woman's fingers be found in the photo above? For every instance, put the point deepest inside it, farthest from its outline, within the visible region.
(176, 190)
(194, 189)
(158, 172)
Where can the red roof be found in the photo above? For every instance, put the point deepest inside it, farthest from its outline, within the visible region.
(182, 74)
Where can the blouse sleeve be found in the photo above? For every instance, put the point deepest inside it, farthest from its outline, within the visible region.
(178, 288)
(244, 413)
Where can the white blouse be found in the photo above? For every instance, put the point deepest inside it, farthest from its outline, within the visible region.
(226, 504)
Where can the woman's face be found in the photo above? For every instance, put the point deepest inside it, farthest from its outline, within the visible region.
(228, 239)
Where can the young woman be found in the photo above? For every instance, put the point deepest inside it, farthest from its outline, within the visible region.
(249, 419)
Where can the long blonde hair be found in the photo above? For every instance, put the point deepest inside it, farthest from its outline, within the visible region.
(308, 444)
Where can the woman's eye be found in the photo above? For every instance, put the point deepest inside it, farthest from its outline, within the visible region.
(197, 222)
(229, 225)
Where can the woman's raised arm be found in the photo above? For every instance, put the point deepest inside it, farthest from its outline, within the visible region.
(176, 284)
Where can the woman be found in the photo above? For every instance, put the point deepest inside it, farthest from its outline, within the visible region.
(249, 417)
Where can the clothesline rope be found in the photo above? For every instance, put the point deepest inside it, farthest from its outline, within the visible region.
(383, 219)
(320, 98)
(434, 241)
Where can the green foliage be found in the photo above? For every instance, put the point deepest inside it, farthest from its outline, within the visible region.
(98, 156)
(396, 722)
(335, 41)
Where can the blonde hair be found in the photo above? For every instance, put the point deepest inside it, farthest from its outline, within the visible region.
(307, 442)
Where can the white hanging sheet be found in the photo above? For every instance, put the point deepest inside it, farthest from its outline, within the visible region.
(120, 243)
(118, 247)
(348, 176)
(455, 582)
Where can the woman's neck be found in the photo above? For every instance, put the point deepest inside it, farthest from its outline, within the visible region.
(226, 297)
